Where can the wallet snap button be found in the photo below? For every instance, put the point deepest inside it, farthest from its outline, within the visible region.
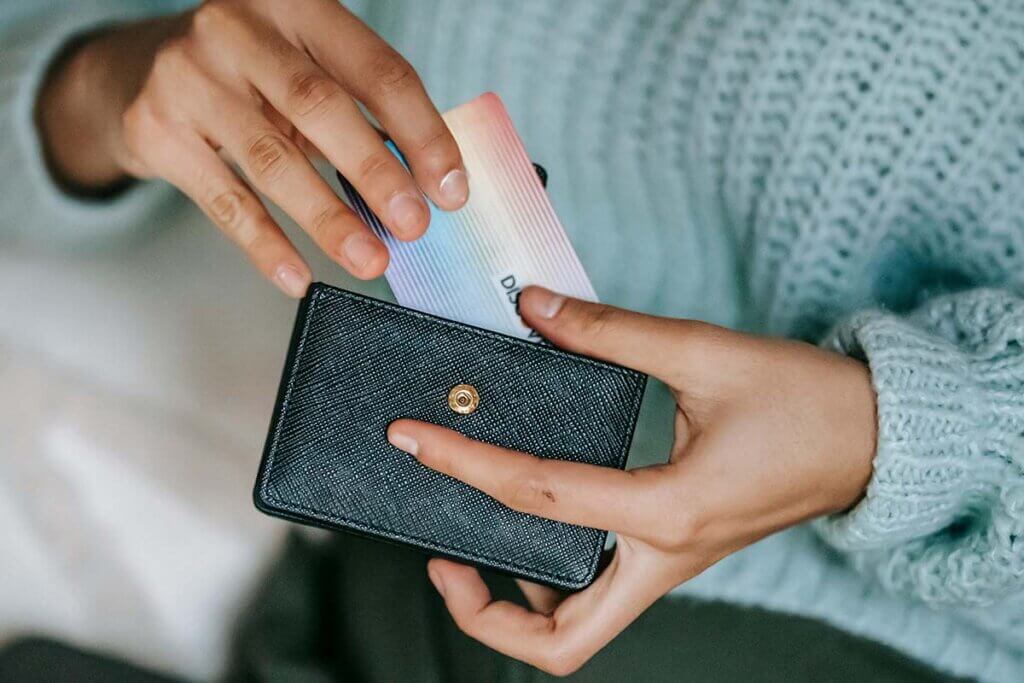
(463, 399)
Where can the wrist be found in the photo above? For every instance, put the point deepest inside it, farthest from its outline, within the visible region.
(89, 87)
(77, 114)
(858, 441)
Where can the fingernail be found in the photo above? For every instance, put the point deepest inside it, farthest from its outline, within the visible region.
(291, 281)
(436, 579)
(360, 249)
(546, 303)
(403, 442)
(454, 187)
(408, 213)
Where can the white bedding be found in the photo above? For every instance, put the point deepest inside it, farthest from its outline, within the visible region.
(135, 390)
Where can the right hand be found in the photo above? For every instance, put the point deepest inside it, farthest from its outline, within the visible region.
(261, 83)
(768, 433)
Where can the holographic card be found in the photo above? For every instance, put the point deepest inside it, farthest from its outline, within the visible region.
(472, 263)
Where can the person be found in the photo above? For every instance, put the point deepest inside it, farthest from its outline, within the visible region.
(844, 175)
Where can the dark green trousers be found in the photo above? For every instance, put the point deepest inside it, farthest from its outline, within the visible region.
(349, 609)
(356, 610)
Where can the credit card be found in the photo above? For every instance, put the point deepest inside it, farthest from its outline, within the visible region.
(472, 263)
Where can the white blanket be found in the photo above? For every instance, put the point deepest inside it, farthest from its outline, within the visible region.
(135, 392)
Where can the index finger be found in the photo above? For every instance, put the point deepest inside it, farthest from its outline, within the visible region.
(577, 493)
(327, 116)
(376, 75)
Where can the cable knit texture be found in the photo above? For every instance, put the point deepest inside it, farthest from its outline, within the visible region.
(796, 167)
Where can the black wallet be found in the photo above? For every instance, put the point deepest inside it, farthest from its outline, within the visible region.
(356, 364)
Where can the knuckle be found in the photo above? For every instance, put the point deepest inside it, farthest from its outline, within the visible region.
(172, 59)
(392, 73)
(255, 239)
(439, 139)
(268, 156)
(311, 93)
(529, 491)
(374, 163)
(213, 16)
(139, 124)
(227, 208)
(597, 320)
(465, 623)
(323, 218)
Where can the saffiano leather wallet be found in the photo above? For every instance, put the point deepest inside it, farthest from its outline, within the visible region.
(356, 364)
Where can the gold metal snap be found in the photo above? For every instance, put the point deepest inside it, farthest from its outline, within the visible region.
(463, 399)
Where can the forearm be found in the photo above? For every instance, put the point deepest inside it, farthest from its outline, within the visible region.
(79, 130)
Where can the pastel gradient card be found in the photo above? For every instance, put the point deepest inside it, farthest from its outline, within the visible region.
(472, 263)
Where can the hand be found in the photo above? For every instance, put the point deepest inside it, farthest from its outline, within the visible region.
(262, 82)
(768, 433)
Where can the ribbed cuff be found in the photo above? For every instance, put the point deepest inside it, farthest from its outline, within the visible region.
(927, 420)
(38, 209)
(945, 505)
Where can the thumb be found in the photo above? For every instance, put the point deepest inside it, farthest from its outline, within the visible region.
(646, 343)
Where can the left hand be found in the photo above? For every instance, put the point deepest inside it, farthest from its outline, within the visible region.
(768, 433)
(267, 86)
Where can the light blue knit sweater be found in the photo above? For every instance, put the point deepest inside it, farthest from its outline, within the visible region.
(845, 172)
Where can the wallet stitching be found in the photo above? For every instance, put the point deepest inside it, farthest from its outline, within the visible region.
(458, 552)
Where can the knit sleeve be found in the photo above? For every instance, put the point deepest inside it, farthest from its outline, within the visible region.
(943, 515)
(32, 34)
